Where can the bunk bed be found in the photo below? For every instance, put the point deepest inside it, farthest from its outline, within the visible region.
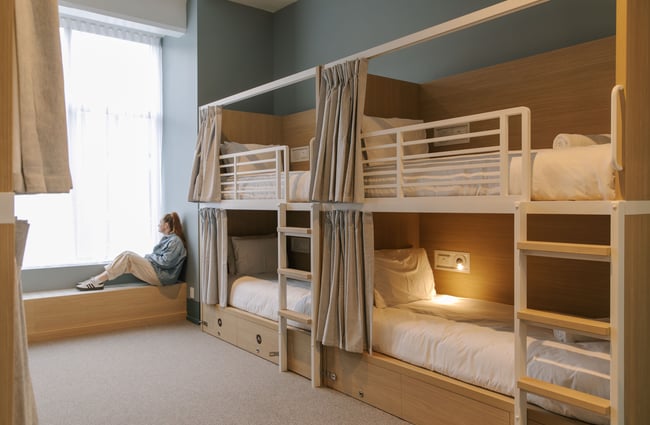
(517, 144)
(462, 164)
(262, 289)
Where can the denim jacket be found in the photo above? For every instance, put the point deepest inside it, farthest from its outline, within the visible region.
(167, 258)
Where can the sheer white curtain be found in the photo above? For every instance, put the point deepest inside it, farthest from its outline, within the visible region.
(113, 85)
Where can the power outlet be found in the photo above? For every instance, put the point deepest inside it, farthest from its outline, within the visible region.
(191, 292)
(300, 154)
(451, 261)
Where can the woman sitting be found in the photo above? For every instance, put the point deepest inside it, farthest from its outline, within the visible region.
(161, 267)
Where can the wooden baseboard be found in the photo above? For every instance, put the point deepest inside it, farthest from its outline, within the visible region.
(64, 313)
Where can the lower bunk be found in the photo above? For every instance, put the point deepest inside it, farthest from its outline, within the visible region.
(257, 335)
(69, 312)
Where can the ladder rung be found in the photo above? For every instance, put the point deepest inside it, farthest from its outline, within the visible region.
(304, 232)
(563, 321)
(296, 274)
(295, 316)
(565, 395)
(566, 250)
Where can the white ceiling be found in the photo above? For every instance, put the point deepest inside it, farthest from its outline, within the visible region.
(268, 5)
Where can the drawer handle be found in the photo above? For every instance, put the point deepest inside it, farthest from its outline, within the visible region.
(219, 322)
(258, 338)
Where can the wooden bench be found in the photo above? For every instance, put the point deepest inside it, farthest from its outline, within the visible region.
(69, 312)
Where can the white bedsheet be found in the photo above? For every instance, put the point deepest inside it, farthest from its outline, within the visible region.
(262, 186)
(258, 294)
(472, 340)
(576, 173)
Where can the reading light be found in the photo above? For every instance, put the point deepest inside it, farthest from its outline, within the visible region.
(460, 264)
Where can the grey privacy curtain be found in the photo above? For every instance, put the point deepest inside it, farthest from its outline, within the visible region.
(212, 251)
(204, 180)
(346, 280)
(340, 106)
(40, 144)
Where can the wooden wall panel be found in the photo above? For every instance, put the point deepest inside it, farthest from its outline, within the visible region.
(297, 130)
(396, 230)
(488, 238)
(251, 222)
(387, 97)
(567, 91)
(7, 231)
(249, 127)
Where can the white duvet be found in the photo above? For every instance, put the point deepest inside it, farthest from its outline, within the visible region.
(576, 173)
(258, 294)
(472, 340)
(262, 186)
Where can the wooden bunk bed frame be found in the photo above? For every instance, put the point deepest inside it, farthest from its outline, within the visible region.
(418, 395)
(290, 347)
(389, 383)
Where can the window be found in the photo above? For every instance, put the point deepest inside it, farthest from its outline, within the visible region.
(113, 89)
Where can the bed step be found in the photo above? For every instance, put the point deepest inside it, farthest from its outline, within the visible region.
(566, 250)
(295, 316)
(295, 274)
(566, 395)
(580, 325)
(303, 232)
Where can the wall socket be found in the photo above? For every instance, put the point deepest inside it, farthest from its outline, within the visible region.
(299, 154)
(191, 292)
(451, 261)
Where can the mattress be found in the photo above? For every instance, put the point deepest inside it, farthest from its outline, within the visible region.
(258, 294)
(263, 186)
(577, 173)
(472, 340)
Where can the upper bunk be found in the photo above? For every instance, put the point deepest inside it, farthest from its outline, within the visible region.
(480, 141)
(250, 157)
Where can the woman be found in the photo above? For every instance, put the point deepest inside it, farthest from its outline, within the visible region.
(161, 267)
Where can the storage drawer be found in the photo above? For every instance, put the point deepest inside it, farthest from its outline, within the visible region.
(217, 322)
(422, 401)
(377, 386)
(258, 339)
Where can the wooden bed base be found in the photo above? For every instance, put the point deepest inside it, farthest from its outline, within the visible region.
(69, 312)
(257, 335)
(420, 396)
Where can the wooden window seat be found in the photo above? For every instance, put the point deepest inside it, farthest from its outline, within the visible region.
(70, 312)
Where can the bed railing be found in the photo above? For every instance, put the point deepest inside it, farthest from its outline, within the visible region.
(459, 156)
(255, 174)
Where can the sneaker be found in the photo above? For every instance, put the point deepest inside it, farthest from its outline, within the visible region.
(90, 285)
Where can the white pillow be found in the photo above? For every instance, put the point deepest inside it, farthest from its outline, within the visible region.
(234, 147)
(370, 124)
(254, 254)
(402, 276)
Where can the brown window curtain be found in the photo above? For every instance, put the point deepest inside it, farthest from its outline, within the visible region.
(339, 110)
(205, 178)
(40, 143)
(344, 313)
(212, 251)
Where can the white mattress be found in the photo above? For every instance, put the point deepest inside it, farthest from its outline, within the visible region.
(472, 340)
(577, 173)
(262, 186)
(258, 294)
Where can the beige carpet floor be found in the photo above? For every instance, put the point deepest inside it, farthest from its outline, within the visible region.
(176, 375)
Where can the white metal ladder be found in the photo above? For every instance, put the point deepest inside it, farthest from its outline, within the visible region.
(525, 316)
(313, 276)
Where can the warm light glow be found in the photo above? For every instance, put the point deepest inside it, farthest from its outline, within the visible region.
(460, 264)
(444, 299)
